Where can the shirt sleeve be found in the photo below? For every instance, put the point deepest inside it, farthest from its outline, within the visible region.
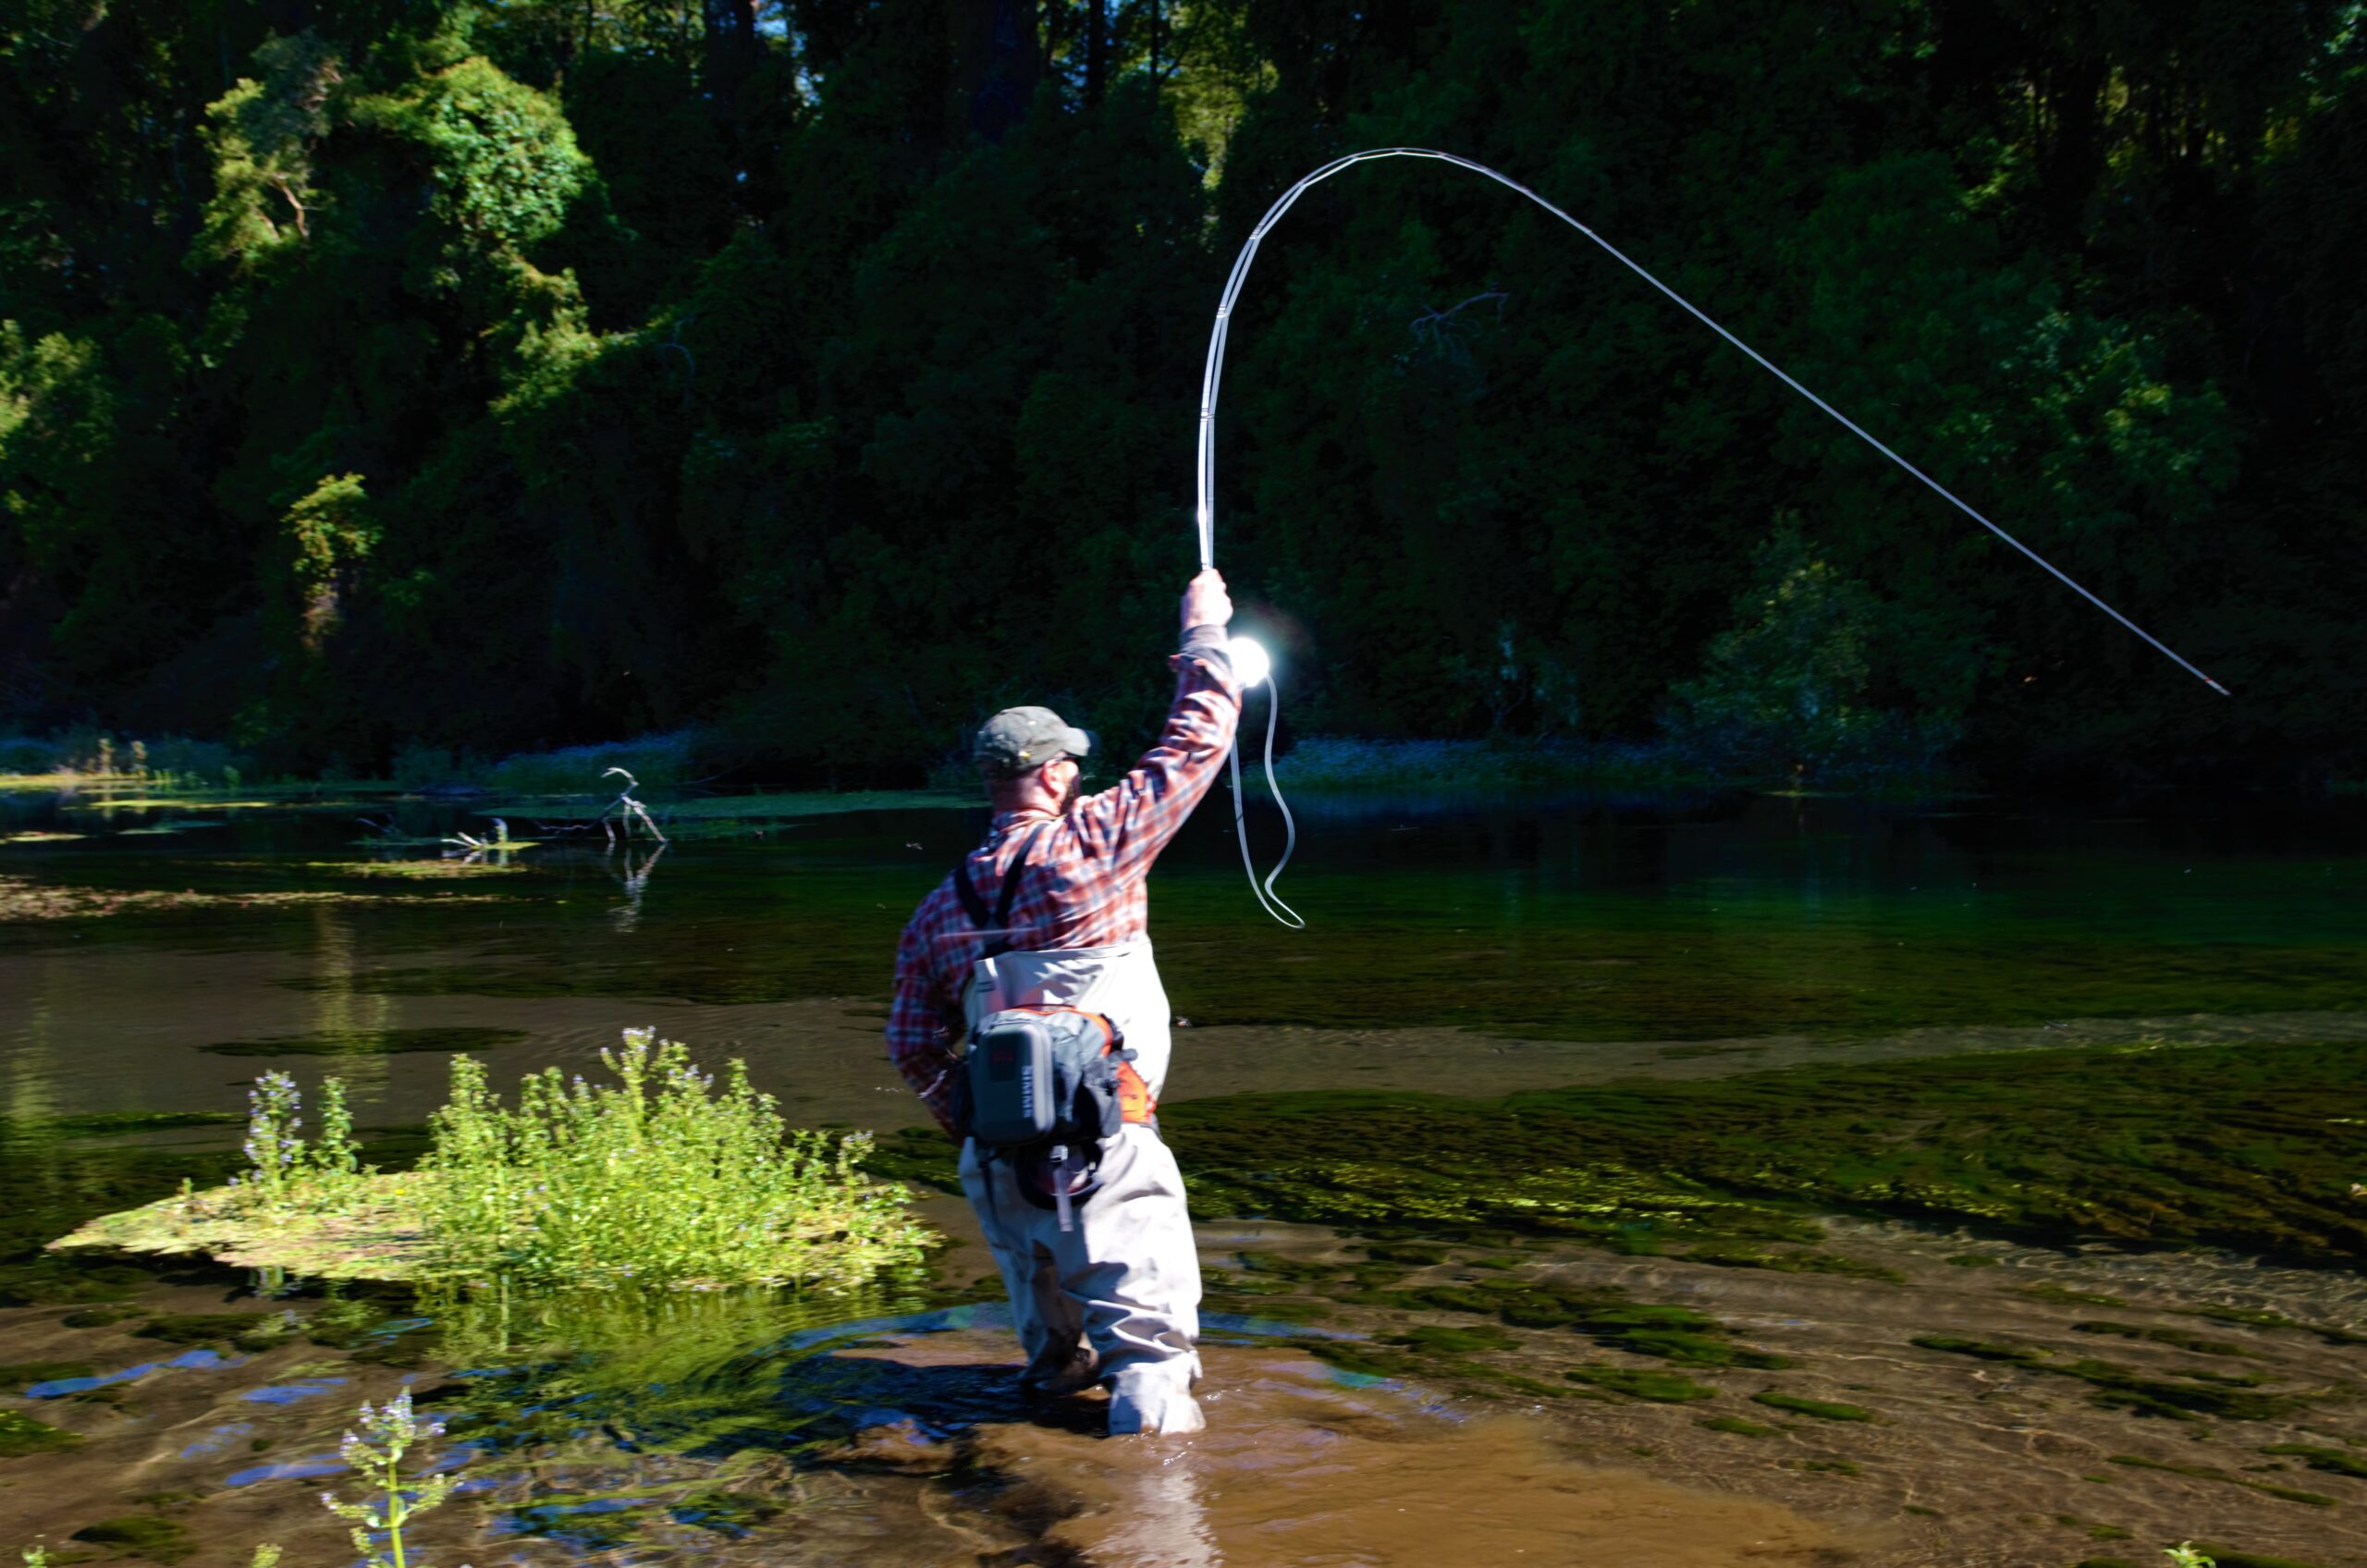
(1123, 828)
(920, 1037)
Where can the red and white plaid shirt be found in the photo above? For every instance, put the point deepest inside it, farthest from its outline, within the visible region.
(1083, 885)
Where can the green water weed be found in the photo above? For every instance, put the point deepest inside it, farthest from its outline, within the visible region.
(2178, 1337)
(335, 1160)
(20, 1435)
(2208, 1473)
(669, 1175)
(1643, 1383)
(2006, 1146)
(17, 1376)
(2333, 1461)
(2220, 1395)
(375, 1449)
(1824, 1409)
(142, 1534)
(274, 1145)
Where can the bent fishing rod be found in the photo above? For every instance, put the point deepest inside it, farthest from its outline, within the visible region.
(1250, 660)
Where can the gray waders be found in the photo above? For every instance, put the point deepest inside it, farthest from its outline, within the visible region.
(1114, 1295)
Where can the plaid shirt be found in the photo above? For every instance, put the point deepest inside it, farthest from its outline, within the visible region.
(1084, 887)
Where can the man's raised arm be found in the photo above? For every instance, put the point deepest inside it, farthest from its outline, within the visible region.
(1127, 827)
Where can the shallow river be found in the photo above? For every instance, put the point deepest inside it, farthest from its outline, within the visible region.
(1893, 1385)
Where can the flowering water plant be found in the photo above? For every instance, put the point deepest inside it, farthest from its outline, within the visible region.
(669, 1175)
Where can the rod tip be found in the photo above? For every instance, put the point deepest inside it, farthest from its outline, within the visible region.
(2216, 687)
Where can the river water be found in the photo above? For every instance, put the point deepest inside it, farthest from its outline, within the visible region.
(1473, 948)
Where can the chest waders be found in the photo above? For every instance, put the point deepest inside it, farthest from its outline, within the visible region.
(1042, 1086)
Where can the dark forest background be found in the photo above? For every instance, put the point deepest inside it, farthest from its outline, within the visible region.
(492, 376)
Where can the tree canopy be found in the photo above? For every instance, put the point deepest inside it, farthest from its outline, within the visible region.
(489, 375)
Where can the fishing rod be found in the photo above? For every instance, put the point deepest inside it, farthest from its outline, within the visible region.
(1247, 654)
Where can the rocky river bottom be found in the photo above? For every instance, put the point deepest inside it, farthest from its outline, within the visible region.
(1709, 1182)
(1947, 1400)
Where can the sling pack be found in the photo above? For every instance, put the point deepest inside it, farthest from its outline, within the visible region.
(1044, 1086)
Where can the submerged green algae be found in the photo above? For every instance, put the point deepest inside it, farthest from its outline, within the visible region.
(2189, 1396)
(150, 1535)
(2202, 1144)
(369, 1042)
(1643, 1383)
(17, 1376)
(1822, 1409)
(21, 1435)
(2207, 1473)
(24, 902)
(55, 1179)
(2333, 1461)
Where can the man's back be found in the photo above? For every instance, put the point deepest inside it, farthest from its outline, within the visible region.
(1081, 871)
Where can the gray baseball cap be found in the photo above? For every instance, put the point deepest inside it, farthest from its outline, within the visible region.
(1019, 741)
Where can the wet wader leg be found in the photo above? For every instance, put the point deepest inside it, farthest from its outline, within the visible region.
(1050, 1326)
(1133, 1273)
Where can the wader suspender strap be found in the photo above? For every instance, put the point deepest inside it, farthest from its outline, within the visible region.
(975, 907)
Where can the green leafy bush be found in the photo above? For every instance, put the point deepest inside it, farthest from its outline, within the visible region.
(1788, 693)
(663, 1177)
(668, 1177)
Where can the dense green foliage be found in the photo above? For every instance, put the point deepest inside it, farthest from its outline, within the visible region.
(661, 1179)
(489, 374)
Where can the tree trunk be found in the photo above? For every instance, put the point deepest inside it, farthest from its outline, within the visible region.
(1097, 51)
(728, 49)
(995, 65)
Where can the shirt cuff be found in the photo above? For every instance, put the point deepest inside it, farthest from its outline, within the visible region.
(1205, 642)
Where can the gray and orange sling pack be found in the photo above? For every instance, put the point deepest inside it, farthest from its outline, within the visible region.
(1041, 1086)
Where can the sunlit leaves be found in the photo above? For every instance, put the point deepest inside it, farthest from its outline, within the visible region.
(262, 135)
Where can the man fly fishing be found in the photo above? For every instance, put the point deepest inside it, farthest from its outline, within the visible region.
(1034, 953)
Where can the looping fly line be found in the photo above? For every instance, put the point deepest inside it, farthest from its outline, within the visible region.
(1203, 511)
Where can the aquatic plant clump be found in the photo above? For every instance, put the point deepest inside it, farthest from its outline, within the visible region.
(375, 1452)
(24, 899)
(666, 1177)
(660, 1177)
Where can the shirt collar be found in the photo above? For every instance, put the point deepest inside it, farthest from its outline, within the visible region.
(1004, 821)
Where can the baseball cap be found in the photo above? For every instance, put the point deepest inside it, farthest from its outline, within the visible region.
(1019, 741)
